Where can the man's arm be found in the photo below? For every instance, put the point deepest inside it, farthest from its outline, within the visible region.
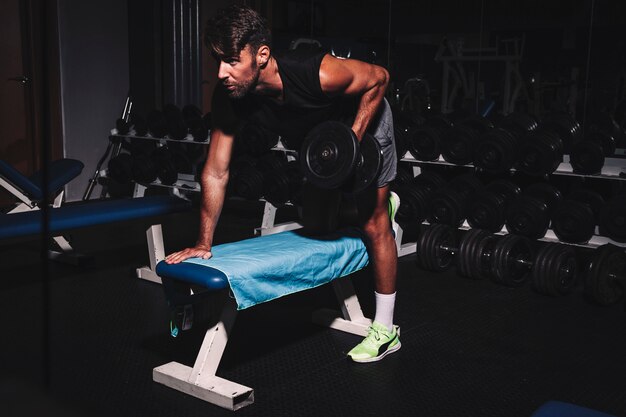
(355, 78)
(214, 181)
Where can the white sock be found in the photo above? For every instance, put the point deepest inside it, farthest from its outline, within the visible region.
(384, 309)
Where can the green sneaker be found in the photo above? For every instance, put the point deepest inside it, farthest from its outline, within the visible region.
(392, 207)
(379, 343)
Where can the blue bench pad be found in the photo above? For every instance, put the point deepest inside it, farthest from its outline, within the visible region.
(60, 172)
(91, 213)
(264, 268)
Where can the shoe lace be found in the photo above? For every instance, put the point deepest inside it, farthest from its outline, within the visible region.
(373, 336)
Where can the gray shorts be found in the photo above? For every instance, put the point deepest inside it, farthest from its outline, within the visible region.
(382, 129)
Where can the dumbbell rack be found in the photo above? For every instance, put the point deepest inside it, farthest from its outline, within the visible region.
(185, 182)
(613, 169)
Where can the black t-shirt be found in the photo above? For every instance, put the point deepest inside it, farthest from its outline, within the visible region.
(304, 105)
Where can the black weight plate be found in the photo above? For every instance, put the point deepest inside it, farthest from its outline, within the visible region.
(478, 123)
(495, 152)
(368, 166)
(430, 180)
(544, 192)
(613, 219)
(465, 258)
(506, 265)
(415, 207)
(424, 144)
(601, 286)
(434, 247)
(586, 157)
(507, 189)
(589, 197)
(481, 257)
(518, 123)
(527, 216)
(486, 210)
(540, 153)
(447, 208)
(329, 154)
(555, 270)
(465, 183)
(573, 222)
(457, 145)
(144, 168)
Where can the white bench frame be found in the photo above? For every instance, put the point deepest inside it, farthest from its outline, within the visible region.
(201, 380)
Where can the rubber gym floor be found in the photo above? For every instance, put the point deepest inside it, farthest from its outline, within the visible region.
(469, 348)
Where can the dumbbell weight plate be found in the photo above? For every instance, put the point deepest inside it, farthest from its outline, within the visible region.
(613, 219)
(509, 260)
(474, 244)
(555, 269)
(424, 143)
(434, 247)
(600, 285)
(527, 216)
(120, 168)
(586, 158)
(368, 165)
(485, 210)
(573, 222)
(329, 154)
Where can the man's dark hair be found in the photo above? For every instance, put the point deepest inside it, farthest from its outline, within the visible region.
(233, 28)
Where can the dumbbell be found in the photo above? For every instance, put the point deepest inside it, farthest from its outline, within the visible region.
(192, 117)
(424, 142)
(486, 209)
(140, 126)
(497, 149)
(605, 276)
(170, 162)
(449, 203)
(530, 213)
(157, 125)
(459, 141)
(415, 196)
(176, 127)
(508, 260)
(332, 158)
(587, 156)
(119, 168)
(542, 149)
(283, 184)
(613, 218)
(575, 218)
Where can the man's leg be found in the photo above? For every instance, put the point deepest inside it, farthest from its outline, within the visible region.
(381, 246)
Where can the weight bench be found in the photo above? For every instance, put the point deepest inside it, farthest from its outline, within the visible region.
(91, 213)
(258, 270)
(29, 190)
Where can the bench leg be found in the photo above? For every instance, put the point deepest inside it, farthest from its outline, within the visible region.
(201, 381)
(351, 319)
(156, 252)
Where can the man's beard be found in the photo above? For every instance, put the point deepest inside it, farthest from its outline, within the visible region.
(242, 89)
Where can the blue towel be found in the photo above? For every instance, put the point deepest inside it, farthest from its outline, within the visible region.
(268, 267)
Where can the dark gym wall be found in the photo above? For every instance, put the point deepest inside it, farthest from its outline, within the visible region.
(93, 39)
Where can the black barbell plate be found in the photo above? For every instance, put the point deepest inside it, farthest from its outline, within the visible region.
(613, 219)
(608, 263)
(433, 247)
(424, 143)
(509, 260)
(486, 210)
(467, 253)
(555, 269)
(120, 168)
(573, 222)
(587, 157)
(329, 154)
(457, 145)
(527, 216)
